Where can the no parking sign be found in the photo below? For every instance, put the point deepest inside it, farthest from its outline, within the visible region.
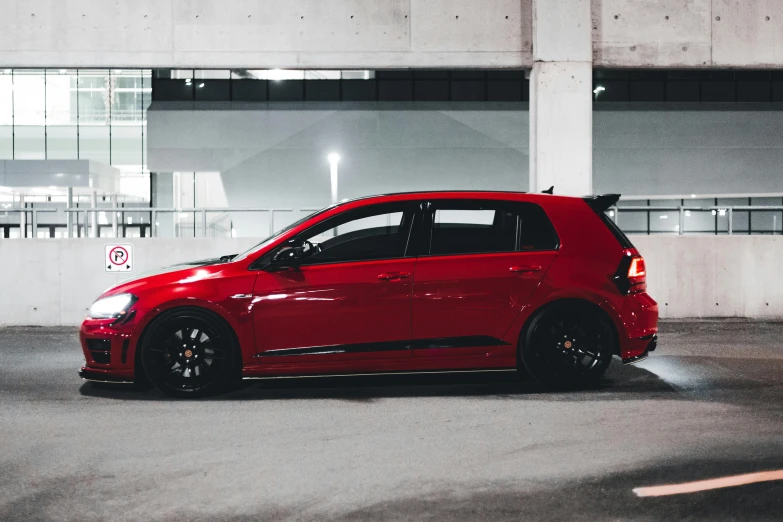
(119, 258)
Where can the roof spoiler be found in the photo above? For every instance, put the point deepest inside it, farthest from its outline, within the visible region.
(550, 190)
(601, 202)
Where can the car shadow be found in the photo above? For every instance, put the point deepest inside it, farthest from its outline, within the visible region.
(620, 382)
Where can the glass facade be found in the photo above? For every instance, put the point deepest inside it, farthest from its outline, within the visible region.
(93, 114)
(262, 85)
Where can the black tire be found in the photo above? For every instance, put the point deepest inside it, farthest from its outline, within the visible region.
(190, 352)
(568, 345)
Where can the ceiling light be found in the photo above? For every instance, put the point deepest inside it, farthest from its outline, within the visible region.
(599, 89)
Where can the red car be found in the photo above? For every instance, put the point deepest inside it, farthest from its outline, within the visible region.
(435, 281)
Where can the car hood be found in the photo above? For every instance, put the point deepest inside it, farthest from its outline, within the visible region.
(183, 272)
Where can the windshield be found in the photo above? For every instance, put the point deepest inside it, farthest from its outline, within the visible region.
(280, 232)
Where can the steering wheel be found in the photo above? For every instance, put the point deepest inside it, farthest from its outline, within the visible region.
(313, 248)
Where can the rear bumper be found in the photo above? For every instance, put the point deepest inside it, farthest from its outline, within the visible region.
(639, 318)
(652, 344)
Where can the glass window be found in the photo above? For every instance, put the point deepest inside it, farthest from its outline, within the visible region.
(29, 97)
(395, 90)
(322, 75)
(6, 116)
(286, 90)
(327, 90)
(378, 232)
(94, 97)
(359, 90)
(484, 227)
(505, 91)
(358, 75)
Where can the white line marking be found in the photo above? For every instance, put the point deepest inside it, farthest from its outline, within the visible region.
(705, 485)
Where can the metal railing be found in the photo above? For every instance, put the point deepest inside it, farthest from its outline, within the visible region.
(684, 211)
(90, 218)
(83, 222)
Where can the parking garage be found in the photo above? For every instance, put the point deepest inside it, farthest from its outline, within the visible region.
(139, 136)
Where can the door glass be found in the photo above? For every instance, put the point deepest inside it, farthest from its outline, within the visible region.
(358, 236)
(474, 227)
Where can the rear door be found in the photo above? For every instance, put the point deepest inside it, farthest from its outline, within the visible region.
(479, 263)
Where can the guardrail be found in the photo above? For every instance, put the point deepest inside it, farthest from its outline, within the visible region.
(90, 217)
(91, 226)
(683, 210)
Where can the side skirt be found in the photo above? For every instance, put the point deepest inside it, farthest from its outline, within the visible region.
(423, 372)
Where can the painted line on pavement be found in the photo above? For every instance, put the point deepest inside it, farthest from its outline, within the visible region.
(706, 485)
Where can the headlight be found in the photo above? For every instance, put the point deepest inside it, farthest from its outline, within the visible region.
(112, 306)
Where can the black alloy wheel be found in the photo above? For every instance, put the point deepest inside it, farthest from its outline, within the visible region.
(190, 353)
(567, 346)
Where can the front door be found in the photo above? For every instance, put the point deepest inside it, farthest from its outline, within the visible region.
(481, 263)
(348, 303)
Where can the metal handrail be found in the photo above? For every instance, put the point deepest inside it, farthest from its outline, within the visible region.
(203, 211)
(681, 209)
(154, 211)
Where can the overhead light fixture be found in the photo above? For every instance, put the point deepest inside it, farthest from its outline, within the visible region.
(187, 81)
(664, 216)
(200, 85)
(334, 159)
(599, 89)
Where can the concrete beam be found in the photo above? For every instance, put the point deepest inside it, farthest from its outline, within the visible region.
(272, 33)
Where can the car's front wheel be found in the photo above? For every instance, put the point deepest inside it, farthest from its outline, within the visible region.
(190, 352)
(567, 345)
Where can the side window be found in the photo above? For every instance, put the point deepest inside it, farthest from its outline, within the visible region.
(378, 232)
(476, 227)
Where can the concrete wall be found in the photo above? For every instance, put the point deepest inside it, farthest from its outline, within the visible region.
(53, 282)
(713, 276)
(274, 155)
(376, 34)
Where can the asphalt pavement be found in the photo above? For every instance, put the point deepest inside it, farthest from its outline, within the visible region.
(707, 404)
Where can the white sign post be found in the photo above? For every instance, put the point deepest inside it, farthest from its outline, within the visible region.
(119, 258)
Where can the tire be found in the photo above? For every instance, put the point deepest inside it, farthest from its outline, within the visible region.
(190, 352)
(567, 346)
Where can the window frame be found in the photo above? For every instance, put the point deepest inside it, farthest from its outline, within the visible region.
(411, 208)
(423, 239)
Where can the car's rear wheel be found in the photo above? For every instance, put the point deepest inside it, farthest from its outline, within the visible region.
(567, 345)
(190, 353)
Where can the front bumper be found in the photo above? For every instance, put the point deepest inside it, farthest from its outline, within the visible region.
(109, 348)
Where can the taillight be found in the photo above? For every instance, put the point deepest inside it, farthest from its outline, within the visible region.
(631, 276)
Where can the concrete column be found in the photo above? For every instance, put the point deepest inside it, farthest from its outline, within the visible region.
(561, 98)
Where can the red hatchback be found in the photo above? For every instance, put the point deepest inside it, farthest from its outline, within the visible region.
(437, 281)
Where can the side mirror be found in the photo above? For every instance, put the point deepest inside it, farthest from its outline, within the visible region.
(289, 255)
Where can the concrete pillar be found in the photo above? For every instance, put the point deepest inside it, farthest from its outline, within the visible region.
(561, 98)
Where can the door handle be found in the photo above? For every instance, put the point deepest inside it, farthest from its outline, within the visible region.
(393, 276)
(526, 269)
